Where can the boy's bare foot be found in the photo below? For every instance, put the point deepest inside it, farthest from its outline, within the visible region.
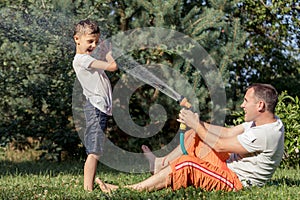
(150, 157)
(106, 187)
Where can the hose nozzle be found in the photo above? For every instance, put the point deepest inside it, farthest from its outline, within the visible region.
(184, 103)
(182, 126)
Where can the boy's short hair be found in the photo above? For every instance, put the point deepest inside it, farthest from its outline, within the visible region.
(267, 93)
(86, 27)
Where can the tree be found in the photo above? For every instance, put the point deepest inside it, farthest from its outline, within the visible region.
(272, 45)
(41, 101)
(210, 23)
(36, 75)
(249, 41)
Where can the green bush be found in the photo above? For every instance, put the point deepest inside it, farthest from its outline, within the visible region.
(288, 110)
(36, 79)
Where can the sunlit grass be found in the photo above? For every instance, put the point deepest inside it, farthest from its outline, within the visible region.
(24, 177)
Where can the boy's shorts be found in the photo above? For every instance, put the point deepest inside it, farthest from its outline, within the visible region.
(96, 123)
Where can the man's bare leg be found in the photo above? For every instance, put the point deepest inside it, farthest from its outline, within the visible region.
(150, 157)
(159, 163)
(154, 182)
(162, 170)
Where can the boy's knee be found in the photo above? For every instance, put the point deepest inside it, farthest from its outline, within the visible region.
(95, 156)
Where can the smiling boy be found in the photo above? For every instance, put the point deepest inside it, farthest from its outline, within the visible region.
(98, 92)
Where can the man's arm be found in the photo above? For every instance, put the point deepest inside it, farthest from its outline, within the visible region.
(218, 138)
(220, 144)
(223, 132)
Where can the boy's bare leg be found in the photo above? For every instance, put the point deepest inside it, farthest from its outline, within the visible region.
(159, 163)
(90, 168)
(155, 182)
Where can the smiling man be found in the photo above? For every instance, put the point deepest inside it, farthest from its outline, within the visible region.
(221, 158)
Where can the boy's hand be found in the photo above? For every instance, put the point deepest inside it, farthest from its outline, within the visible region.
(105, 48)
(109, 57)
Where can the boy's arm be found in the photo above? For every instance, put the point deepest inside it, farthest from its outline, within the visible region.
(109, 65)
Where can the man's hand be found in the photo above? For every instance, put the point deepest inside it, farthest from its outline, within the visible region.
(189, 118)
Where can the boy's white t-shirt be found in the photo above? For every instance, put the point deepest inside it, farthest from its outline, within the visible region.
(265, 145)
(95, 83)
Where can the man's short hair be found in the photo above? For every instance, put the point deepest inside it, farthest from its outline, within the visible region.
(267, 93)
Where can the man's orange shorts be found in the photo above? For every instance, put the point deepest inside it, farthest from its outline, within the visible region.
(203, 168)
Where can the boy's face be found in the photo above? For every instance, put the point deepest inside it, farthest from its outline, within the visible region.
(86, 43)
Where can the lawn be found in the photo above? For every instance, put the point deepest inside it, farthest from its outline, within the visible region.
(23, 177)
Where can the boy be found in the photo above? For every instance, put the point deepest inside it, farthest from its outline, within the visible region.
(97, 90)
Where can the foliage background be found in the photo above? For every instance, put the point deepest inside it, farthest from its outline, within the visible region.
(250, 41)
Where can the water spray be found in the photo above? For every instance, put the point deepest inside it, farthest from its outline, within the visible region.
(149, 78)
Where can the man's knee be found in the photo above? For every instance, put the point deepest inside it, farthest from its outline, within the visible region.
(189, 135)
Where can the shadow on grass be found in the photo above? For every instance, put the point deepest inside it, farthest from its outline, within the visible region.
(47, 168)
(285, 181)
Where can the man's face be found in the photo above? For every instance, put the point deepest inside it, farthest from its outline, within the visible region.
(250, 106)
(86, 43)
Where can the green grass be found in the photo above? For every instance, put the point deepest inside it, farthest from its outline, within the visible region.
(22, 177)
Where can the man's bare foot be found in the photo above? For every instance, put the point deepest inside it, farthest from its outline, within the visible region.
(150, 157)
(137, 187)
(106, 187)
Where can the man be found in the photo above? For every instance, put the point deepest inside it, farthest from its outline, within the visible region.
(222, 158)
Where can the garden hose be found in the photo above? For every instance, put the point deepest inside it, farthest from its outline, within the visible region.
(182, 128)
